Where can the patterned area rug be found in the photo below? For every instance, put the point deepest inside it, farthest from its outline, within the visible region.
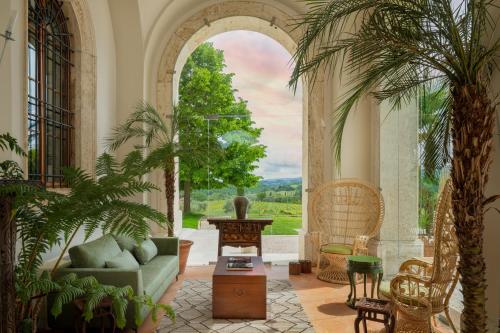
(193, 307)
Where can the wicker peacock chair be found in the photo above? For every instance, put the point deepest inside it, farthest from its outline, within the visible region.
(347, 213)
(436, 279)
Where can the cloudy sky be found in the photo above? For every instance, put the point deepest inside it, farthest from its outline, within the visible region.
(262, 68)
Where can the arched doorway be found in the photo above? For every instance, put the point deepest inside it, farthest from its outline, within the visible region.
(274, 22)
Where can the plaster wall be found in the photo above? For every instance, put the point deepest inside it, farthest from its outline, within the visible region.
(106, 70)
(12, 83)
(492, 217)
(491, 236)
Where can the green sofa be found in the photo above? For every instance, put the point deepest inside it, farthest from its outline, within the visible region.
(152, 279)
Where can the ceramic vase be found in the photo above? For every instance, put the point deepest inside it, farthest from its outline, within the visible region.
(241, 206)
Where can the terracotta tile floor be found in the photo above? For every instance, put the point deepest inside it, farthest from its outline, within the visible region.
(324, 303)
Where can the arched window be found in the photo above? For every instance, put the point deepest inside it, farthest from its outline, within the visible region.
(50, 118)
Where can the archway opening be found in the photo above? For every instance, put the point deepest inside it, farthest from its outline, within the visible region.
(259, 54)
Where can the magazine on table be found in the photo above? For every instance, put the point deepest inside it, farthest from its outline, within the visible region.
(239, 264)
(244, 260)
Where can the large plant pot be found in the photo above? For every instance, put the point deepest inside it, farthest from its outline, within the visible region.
(241, 207)
(184, 248)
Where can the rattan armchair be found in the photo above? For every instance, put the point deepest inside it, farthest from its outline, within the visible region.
(435, 280)
(347, 214)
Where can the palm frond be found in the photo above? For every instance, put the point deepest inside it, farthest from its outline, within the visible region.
(391, 49)
(8, 142)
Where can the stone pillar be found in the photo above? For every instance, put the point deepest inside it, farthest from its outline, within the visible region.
(316, 166)
(398, 239)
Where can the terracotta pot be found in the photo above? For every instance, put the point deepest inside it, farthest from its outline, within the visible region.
(241, 206)
(184, 247)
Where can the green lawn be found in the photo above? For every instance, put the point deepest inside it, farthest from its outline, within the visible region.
(286, 217)
(191, 220)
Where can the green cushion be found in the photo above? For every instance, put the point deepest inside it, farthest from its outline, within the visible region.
(125, 242)
(365, 259)
(94, 254)
(337, 249)
(156, 271)
(124, 260)
(145, 251)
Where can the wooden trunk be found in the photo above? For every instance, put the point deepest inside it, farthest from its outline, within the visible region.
(7, 260)
(239, 294)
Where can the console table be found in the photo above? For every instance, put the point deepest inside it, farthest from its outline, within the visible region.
(240, 233)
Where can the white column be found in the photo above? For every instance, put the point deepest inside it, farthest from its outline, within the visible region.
(398, 239)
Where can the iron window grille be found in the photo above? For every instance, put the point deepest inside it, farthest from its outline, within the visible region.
(50, 118)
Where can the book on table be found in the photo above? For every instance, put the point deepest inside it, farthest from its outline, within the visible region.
(239, 264)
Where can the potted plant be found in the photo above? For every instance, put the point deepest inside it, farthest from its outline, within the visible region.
(397, 49)
(159, 136)
(44, 219)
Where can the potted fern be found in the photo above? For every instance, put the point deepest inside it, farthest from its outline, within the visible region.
(158, 135)
(44, 219)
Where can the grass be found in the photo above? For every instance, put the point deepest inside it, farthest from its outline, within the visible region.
(286, 217)
(190, 220)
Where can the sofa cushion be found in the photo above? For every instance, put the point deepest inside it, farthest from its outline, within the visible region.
(337, 249)
(155, 272)
(145, 251)
(124, 260)
(95, 253)
(125, 242)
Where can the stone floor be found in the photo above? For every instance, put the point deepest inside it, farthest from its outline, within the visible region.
(324, 303)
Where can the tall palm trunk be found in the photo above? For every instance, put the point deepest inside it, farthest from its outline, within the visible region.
(187, 197)
(472, 132)
(7, 263)
(169, 174)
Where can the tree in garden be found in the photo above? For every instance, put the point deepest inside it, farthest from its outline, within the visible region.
(399, 47)
(206, 95)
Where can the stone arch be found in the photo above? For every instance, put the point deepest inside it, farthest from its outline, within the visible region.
(314, 106)
(83, 82)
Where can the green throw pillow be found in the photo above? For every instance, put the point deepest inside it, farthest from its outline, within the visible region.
(95, 253)
(146, 251)
(125, 242)
(124, 260)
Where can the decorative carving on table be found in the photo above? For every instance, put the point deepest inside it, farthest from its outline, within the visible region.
(240, 233)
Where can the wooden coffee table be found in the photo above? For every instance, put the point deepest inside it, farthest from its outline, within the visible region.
(239, 294)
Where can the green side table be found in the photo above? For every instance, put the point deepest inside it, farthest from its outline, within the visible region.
(366, 265)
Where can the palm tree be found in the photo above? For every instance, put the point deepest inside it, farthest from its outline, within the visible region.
(159, 138)
(434, 132)
(394, 49)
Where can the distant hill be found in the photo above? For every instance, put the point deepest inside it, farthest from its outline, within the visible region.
(281, 181)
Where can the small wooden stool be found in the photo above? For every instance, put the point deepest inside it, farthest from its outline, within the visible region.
(294, 268)
(305, 266)
(369, 308)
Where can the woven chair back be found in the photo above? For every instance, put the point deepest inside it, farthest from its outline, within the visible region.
(445, 246)
(344, 209)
